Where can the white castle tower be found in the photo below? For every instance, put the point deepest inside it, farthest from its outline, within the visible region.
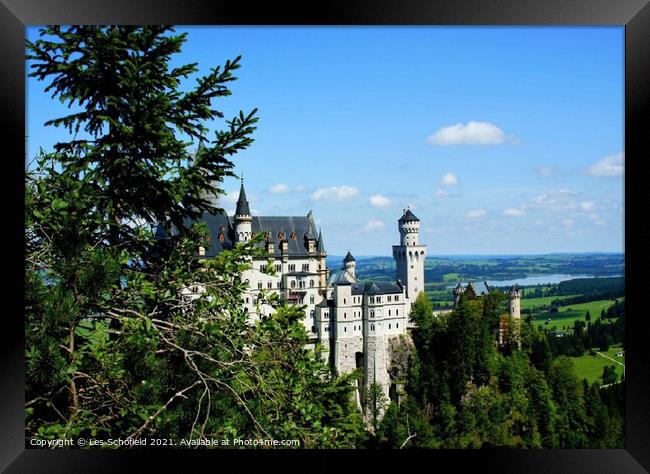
(514, 312)
(409, 255)
(350, 264)
(243, 219)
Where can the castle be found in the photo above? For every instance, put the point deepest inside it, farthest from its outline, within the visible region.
(355, 322)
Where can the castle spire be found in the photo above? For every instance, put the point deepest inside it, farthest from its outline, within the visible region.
(242, 202)
(321, 244)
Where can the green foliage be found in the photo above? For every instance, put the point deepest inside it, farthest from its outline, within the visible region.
(469, 395)
(132, 336)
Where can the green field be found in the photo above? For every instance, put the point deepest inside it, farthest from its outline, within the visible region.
(566, 315)
(541, 301)
(591, 367)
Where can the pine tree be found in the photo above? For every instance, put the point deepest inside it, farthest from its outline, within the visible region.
(115, 345)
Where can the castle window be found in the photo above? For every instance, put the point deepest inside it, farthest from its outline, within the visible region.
(305, 267)
(372, 327)
(396, 298)
(311, 283)
(262, 268)
(390, 298)
(281, 236)
(397, 312)
(311, 299)
(388, 325)
(293, 283)
(389, 312)
(259, 285)
(343, 300)
(345, 330)
(345, 315)
(293, 236)
(372, 314)
(292, 267)
(397, 324)
(278, 267)
(247, 300)
(313, 329)
(311, 313)
(269, 285)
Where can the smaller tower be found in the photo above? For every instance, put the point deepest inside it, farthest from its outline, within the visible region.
(350, 264)
(457, 292)
(514, 311)
(322, 262)
(243, 219)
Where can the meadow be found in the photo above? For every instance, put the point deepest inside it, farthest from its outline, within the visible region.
(591, 366)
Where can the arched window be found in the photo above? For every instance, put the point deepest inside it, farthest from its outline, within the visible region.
(259, 285)
(311, 283)
(311, 313)
(372, 314)
(293, 283)
(311, 299)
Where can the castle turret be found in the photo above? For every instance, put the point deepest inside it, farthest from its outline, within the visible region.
(243, 219)
(322, 262)
(457, 292)
(514, 302)
(409, 255)
(350, 264)
(514, 312)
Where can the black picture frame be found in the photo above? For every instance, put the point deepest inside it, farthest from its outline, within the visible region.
(633, 14)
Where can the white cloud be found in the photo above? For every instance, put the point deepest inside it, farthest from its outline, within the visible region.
(449, 180)
(476, 214)
(556, 199)
(586, 205)
(472, 133)
(379, 201)
(279, 189)
(612, 165)
(335, 193)
(440, 194)
(511, 212)
(567, 222)
(372, 225)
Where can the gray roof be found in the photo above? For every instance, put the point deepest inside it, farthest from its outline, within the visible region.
(341, 278)
(376, 288)
(242, 203)
(408, 216)
(222, 225)
(479, 288)
(349, 258)
(321, 244)
(325, 303)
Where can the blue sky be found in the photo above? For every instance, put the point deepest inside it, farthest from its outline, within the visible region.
(502, 140)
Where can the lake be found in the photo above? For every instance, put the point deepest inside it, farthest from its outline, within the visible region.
(552, 278)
